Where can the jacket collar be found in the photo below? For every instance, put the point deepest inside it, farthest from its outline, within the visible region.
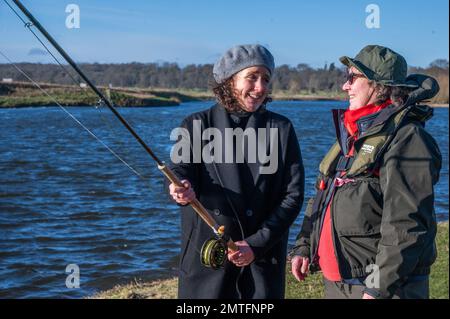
(421, 113)
(228, 174)
(367, 125)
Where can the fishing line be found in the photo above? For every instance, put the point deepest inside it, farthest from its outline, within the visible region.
(28, 25)
(70, 114)
(100, 103)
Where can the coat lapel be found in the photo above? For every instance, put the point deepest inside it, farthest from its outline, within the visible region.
(258, 120)
(227, 173)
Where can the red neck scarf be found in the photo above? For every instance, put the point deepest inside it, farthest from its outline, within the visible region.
(351, 116)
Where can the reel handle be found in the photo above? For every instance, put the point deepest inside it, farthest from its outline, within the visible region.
(197, 206)
(232, 246)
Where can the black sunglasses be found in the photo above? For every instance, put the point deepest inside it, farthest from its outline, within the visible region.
(350, 77)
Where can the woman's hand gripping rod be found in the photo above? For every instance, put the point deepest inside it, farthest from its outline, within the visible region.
(199, 209)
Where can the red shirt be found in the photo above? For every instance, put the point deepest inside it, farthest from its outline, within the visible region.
(327, 255)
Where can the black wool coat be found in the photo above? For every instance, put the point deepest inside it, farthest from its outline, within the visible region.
(261, 216)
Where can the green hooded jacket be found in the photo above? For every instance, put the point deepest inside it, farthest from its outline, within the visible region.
(382, 208)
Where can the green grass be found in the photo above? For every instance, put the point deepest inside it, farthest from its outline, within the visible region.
(439, 271)
(22, 94)
(311, 288)
(305, 95)
(25, 94)
(158, 289)
(79, 99)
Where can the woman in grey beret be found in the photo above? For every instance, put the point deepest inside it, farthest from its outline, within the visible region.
(371, 226)
(252, 184)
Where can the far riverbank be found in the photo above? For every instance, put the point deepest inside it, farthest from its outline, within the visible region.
(25, 94)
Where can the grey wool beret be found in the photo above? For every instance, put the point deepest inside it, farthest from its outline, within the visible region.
(241, 57)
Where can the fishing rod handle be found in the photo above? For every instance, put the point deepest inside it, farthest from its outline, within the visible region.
(196, 205)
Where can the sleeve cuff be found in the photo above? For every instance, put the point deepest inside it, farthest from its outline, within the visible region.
(373, 292)
(302, 251)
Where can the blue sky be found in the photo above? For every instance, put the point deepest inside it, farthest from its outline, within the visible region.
(198, 31)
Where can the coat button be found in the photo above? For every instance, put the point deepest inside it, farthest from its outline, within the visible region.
(249, 213)
(216, 212)
(235, 119)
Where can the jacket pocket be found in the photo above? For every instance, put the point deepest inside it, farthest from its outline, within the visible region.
(359, 246)
(358, 206)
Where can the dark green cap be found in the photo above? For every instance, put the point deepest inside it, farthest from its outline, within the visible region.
(380, 64)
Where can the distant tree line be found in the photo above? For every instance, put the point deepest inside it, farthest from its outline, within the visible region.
(294, 79)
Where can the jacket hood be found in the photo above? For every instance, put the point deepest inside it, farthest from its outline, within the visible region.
(427, 88)
(420, 113)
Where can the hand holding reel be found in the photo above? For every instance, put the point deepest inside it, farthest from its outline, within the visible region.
(214, 251)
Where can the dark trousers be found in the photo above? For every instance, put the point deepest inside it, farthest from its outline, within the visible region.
(409, 290)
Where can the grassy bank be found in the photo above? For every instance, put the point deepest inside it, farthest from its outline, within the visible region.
(308, 96)
(311, 288)
(22, 94)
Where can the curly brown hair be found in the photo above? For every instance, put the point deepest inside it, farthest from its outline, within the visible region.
(225, 95)
(397, 94)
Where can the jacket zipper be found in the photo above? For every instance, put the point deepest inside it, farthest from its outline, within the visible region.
(328, 198)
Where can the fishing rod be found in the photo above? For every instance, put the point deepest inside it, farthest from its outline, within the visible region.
(213, 252)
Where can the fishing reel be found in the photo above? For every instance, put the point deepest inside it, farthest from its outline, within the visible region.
(214, 253)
